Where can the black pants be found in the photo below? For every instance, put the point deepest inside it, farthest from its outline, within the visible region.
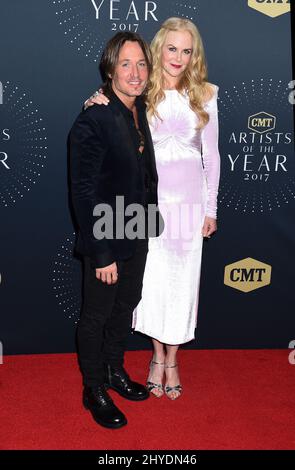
(107, 315)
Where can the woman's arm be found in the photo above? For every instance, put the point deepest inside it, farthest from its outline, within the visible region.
(210, 155)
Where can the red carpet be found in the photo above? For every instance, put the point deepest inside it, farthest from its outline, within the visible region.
(233, 399)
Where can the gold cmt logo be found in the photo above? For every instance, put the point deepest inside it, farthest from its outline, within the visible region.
(261, 122)
(272, 8)
(247, 275)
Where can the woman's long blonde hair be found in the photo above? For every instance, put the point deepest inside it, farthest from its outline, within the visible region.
(194, 79)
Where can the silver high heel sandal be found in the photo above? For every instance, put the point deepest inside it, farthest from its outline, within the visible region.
(152, 385)
(176, 388)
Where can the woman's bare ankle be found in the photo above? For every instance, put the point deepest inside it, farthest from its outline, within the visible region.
(159, 358)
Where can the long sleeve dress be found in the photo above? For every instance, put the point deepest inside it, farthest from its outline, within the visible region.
(188, 165)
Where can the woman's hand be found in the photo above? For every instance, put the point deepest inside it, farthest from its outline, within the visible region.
(209, 227)
(97, 98)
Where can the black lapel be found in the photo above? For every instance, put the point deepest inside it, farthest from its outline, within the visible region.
(120, 122)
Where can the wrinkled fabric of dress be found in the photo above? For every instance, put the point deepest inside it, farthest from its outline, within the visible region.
(188, 165)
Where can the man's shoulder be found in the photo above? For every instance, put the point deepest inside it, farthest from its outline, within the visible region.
(90, 118)
(96, 116)
(97, 113)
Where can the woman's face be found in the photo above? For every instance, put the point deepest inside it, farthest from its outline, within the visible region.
(176, 54)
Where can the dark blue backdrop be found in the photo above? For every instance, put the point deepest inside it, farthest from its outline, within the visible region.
(49, 53)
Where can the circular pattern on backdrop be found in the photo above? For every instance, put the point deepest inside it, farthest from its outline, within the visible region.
(23, 144)
(67, 280)
(257, 164)
(87, 25)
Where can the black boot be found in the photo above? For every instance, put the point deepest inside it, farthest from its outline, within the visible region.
(102, 407)
(119, 380)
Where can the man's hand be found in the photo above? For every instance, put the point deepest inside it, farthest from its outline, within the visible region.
(209, 227)
(108, 274)
(97, 98)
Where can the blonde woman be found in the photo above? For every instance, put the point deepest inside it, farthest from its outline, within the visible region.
(183, 118)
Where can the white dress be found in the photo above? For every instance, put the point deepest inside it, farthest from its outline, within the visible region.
(188, 187)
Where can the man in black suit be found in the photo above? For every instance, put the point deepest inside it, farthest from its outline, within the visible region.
(111, 155)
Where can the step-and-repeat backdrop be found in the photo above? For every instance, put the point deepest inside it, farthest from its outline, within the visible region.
(49, 54)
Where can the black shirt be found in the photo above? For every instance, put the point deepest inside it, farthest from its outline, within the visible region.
(142, 157)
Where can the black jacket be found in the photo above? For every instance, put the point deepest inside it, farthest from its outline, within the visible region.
(103, 165)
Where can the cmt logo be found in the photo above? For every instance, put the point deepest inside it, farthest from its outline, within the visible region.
(261, 122)
(247, 275)
(272, 8)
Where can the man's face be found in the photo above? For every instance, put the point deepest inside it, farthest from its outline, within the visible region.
(131, 72)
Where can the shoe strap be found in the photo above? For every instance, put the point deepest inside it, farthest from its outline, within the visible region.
(158, 363)
(170, 367)
(152, 385)
(176, 388)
